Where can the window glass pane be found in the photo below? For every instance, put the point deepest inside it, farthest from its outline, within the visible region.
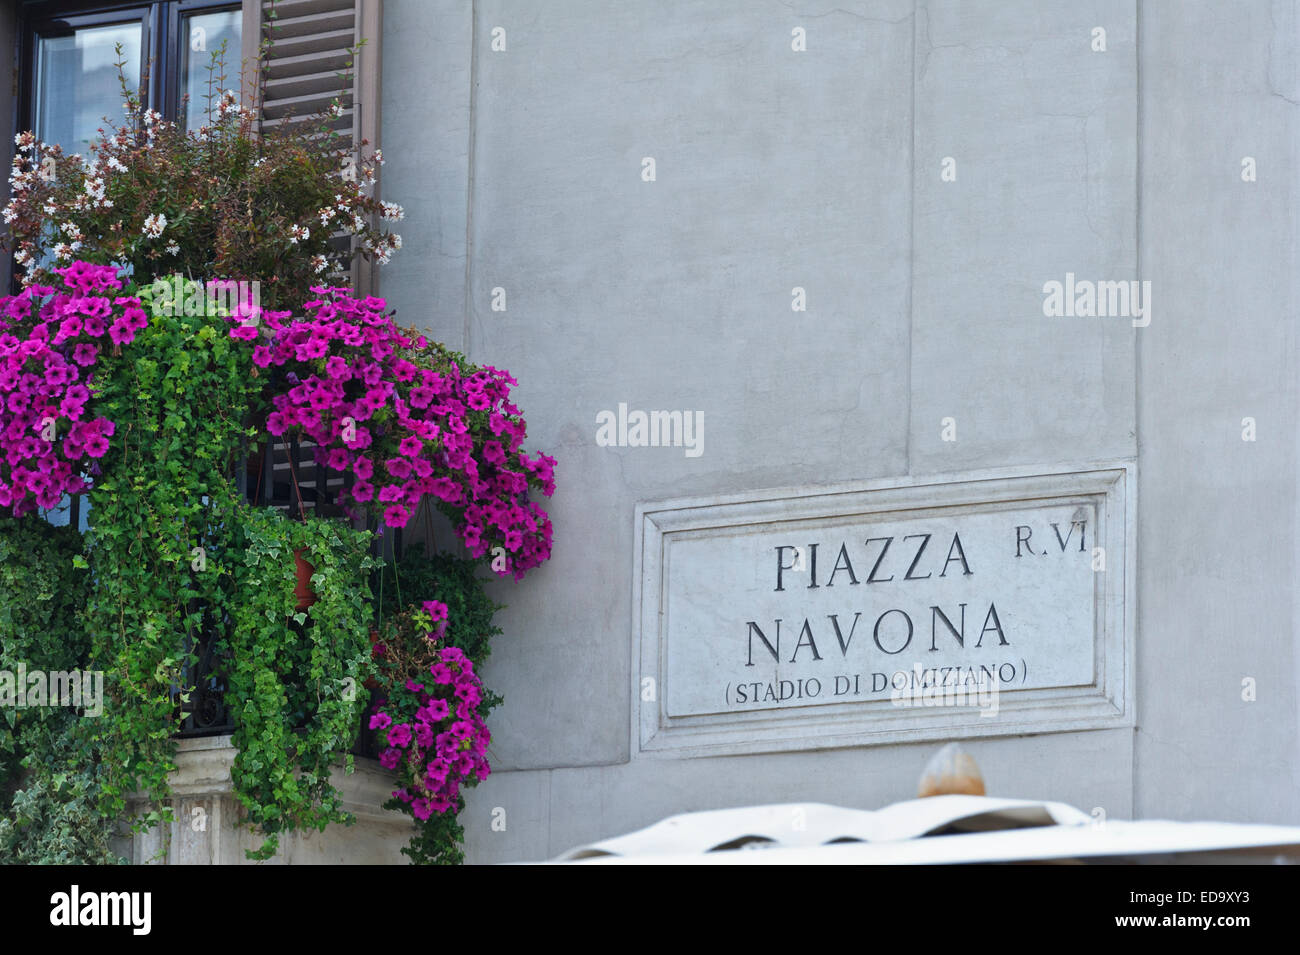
(61, 516)
(77, 84)
(203, 35)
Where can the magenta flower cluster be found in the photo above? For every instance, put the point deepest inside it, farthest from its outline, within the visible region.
(49, 343)
(442, 744)
(404, 423)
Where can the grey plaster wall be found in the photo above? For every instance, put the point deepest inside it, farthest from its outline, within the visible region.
(775, 169)
(1217, 568)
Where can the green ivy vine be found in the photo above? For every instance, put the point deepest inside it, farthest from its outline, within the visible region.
(296, 677)
(162, 516)
(48, 811)
(177, 555)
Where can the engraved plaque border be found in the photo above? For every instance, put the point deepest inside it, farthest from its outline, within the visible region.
(1106, 703)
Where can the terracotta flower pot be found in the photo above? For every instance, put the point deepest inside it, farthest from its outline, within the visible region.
(302, 589)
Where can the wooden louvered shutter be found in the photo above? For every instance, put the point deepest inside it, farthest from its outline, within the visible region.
(311, 45)
(312, 40)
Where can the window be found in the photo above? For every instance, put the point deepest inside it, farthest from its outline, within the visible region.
(70, 64)
(203, 35)
(77, 79)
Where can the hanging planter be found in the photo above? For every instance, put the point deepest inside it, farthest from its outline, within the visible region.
(302, 569)
(302, 588)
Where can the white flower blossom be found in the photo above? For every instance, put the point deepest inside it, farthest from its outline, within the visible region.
(326, 215)
(173, 248)
(298, 233)
(22, 257)
(391, 211)
(62, 251)
(229, 103)
(319, 263)
(11, 212)
(116, 164)
(154, 225)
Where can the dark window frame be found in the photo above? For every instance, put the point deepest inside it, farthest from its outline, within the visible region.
(174, 44)
(161, 48)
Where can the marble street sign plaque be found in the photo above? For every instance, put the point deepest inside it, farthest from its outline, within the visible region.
(929, 610)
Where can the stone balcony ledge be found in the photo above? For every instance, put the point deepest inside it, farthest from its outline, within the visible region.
(206, 830)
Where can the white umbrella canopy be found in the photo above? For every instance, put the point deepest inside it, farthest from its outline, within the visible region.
(1037, 832)
(953, 822)
(817, 824)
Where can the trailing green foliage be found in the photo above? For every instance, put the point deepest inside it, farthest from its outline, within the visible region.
(163, 515)
(41, 596)
(48, 804)
(54, 820)
(438, 840)
(177, 556)
(296, 676)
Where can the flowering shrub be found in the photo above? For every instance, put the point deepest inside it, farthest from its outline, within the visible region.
(225, 200)
(429, 720)
(404, 419)
(469, 627)
(49, 345)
